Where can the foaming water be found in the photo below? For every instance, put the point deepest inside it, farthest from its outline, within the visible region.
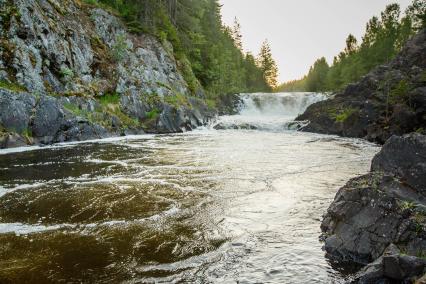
(270, 112)
(201, 207)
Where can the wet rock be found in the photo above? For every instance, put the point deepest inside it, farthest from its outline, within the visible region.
(48, 119)
(242, 126)
(392, 267)
(229, 104)
(381, 208)
(12, 140)
(173, 120)
(16, 110)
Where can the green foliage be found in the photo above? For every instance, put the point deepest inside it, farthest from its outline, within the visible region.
(66, 73)
(384, 37)
(341, 115)
(406, 205)
(267, 65)
(120, 47)
(399, 94)
(12, 86)
(177, 100)
(109, 99)
(74, 109)
(345, 114)
(153, 114)
(109, 106)
(27, 133)
(211, 103)
(207, 52)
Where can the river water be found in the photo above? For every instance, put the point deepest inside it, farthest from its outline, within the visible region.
(241, 204)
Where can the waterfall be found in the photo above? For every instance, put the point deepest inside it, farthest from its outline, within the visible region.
(266, 111)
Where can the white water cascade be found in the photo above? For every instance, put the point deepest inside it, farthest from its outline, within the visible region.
(269, 111)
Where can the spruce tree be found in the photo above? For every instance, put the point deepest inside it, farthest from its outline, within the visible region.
(268, 65)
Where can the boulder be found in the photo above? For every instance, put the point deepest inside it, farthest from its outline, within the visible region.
(48, 119)
(386, 206)
(391, 267)
(16, 110)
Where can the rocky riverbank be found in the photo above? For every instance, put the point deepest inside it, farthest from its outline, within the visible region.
(385, 207)
(379, 219)
(71, 71)
(391, 100)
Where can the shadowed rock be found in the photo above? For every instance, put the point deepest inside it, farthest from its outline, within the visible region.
(386, 206)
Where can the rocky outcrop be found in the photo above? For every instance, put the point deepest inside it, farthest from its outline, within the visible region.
(386, 206)
(71, 71)
(392, 267)
(390, 100)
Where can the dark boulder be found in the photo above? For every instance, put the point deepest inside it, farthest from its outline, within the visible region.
(386, 206)
(48, 119)
(16, 110)
(405, 159)
(392, 267)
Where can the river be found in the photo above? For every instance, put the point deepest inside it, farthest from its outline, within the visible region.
(240, 204)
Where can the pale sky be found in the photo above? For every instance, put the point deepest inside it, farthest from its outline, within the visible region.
(301, 31)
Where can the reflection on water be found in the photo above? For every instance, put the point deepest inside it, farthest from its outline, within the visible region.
(207, 206)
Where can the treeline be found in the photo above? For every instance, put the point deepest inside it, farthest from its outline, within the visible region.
(208, 53)
(383, 39)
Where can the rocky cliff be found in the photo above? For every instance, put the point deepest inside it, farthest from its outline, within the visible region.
(380, 219)
(391, 100)
(70, 71)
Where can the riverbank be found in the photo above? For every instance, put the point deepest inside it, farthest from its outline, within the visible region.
(28, 119)
(74, 71)
(380, 218)
(207, 206)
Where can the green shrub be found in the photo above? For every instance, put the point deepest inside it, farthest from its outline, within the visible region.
(74, 109)
(120, 47)
(153, 114)
(344, 115)
(399, 93)
(109, 99)
(211, 103)
(12, 86)
(66, 73)
(177, 100)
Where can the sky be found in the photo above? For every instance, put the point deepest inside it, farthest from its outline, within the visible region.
(301, 31)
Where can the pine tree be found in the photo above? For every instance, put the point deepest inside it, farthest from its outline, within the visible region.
(268, 65)
(236, 34)
(351, 45)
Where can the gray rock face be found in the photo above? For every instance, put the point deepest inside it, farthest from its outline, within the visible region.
(48, 118)
(79, 54)
(386, 206)
(404, 158)
(368, 110)
(16, 110)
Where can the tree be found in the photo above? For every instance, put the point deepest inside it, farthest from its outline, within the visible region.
(351, 45)
(317, 75)
(384, 37)
(371, 32)
(416, 12)
(268, 65)
(236, 34)
(208, 53)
